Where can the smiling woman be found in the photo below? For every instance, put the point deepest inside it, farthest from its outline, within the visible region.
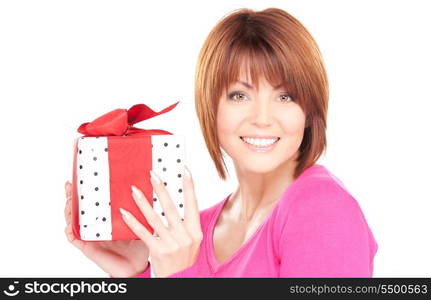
(261, 95)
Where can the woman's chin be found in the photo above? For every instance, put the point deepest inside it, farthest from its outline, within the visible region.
(260, 167)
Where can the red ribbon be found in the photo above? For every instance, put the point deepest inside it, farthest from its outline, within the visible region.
(120, 122)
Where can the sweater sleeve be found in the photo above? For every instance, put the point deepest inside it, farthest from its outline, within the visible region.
(144, 274)
(326, 235)
(187, 272)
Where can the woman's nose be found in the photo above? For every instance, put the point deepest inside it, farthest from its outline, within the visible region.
(262, 113)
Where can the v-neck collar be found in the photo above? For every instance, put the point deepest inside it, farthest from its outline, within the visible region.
(216, 265)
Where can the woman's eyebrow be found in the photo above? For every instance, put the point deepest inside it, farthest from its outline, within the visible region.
(246, 84)
(251, 87)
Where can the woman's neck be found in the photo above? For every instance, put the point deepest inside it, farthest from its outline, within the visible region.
(258, 191)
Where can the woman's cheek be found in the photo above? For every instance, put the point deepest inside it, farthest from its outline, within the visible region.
(227, 124)
(293, 121)
(226, 139)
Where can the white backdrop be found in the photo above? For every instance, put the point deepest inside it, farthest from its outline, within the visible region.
(63, 63)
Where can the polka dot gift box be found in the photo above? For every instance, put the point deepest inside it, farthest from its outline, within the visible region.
(110, 157)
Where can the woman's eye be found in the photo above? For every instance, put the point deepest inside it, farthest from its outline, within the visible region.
(233, 97)
(286, 98)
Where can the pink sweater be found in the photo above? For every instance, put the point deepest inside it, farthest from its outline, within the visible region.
(316, 229)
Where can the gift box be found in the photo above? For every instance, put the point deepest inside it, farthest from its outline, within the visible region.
(111, 156)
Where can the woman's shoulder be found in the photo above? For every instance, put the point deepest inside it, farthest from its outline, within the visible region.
(317, 183)
(320, 214)
(316, 193)
(319, 198)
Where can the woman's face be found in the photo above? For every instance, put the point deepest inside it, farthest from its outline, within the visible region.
(259, 130)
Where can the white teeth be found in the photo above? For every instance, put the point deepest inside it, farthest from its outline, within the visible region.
(259, 142)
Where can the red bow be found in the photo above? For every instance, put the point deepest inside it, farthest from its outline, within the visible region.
(121, 121)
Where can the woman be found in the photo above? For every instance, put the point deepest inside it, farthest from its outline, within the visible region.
(261, 97)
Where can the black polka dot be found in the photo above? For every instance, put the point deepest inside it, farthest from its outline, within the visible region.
(80, 166)
(85, 226)
(180, 190)
(97, 203)
(106, 149)
(97, 218)
(96, 188)
(82, 212)
(163, 213)
(178, 160)
(179, 175)
(165, 183)
(178, 145)
(92, 150)
(104, 219)
(95, 173)
(165, 144)
(182, 219)
(109, 203)
(97, 234)
(181, 205)
(154, 199)
(159, 160)
(80, 151)
(95, 158)
(82, 197)
(81, 182)
(152, 145)
(164, 169)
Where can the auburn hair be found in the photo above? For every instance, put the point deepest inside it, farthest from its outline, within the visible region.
(270, 43)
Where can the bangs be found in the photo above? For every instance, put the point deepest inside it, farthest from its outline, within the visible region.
(255, 59)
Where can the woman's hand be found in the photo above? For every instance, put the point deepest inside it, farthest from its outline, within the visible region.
(175, 247)
(117, 258)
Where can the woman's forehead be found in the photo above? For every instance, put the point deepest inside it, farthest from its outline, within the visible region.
(246, 81)
(246, 73)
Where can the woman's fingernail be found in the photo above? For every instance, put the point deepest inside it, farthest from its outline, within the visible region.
(124, 213)
(154, 178)
(186, 172)
(135, 192)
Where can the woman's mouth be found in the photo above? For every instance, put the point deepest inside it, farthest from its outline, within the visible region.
(260, 144)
